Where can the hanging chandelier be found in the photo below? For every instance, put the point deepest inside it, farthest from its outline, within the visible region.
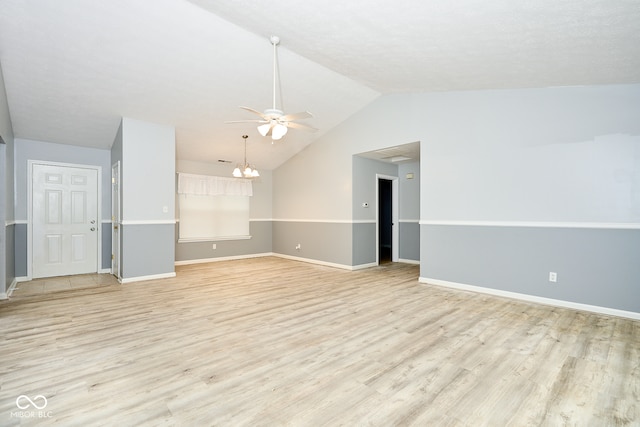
(245, 170)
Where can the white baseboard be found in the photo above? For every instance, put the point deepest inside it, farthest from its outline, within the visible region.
(315, 261)
(12, 287)
(342, 266)
(150, 277)
(291, 257)
(104, 271)
(224, 258)
(294, 258)
(363, 266)
(532, 298)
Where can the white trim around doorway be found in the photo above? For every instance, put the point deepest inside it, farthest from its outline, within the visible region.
(30, 164)
(395, 234)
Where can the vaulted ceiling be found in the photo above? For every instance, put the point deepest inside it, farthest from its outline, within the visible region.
(72, 68)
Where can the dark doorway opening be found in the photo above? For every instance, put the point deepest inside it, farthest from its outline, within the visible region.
(385, 221)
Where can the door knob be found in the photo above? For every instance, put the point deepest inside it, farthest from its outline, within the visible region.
(93, 221)
(93, 229)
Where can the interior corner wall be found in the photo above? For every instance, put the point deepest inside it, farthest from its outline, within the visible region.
(260, 219)
(312, 206)
(503, 175)
(314, 187)
(7, 223)
(115, 158)
(3, 223)
(147, 176)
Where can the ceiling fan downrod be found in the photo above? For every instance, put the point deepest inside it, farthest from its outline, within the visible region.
(275, 40)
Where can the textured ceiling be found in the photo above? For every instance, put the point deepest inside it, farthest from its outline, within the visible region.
(427, 45)
(72, 68)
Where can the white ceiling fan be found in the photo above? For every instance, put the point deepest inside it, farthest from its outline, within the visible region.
(273, 121)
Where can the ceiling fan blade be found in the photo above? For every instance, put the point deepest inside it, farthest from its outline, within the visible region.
(254, 112)
(301, 126)
(297, 116)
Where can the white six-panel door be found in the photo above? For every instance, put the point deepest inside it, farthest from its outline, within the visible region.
(64, 220)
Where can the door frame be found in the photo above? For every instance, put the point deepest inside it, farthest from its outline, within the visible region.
(395, 240)
(30, 164)
(116, 219)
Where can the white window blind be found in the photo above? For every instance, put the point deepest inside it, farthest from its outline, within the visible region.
(213, 207)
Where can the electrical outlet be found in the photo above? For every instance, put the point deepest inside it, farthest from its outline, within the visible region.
(553, 276)
(214, 246)
(298, 247)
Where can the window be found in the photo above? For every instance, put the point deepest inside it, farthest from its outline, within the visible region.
(213, 208)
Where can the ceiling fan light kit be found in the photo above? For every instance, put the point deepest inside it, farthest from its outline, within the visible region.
(273, 122)
(278, 131)
(264, 129)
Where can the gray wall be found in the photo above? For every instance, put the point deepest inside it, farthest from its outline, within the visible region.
(20, 250)
(409, 209)
(595, 266)
(556, 154)
(147, 176)
(317, 184)
(554, 157)
(147, 250)
(10, 273)
(147, 171)
(363, 251)
(409, 250)
(116, 156)
(26, 150)
(320, 241)
(7, 273)
(3, 222)
(364, 186)
(516, 184)
(260, 243)
(409, 212)
(327, 239)
(364, 173)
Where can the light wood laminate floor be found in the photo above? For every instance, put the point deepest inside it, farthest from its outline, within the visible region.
(56, 284)
(274, 342)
